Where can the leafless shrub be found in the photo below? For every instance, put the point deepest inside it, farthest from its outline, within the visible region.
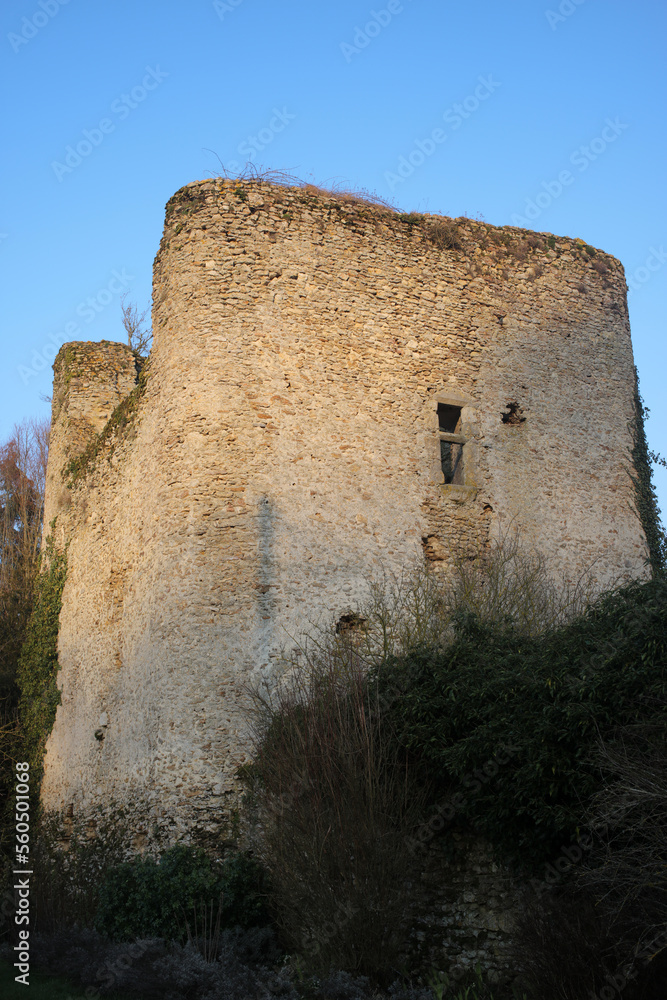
(444, 234)
(139, 336)
(600, 266)
(254, 173)
(337, 806)
(351, 195)
(511, 583)
(23, 459)
(562, 948)
(630, 812)
(402, 611)
(504, 582)
(519, 249)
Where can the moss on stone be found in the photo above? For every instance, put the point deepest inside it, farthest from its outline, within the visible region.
(105, 442)
(646, 500)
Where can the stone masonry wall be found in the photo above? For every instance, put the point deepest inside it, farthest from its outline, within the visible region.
(285, 447)
(90, 380)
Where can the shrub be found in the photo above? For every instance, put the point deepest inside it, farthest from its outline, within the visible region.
(549, 696)
(646, 500)
(38, 664)
(148, 898)
(409, 699)
(509, 586)
(563, 948)
(336, 804)
(570, 944)
(155, 968)
(627, 874)
(444, 234)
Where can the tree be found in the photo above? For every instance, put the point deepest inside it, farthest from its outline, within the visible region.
(22, 481)
(139, 336)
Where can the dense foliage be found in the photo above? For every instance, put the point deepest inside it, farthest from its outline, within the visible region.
(537, 703)
(148, 898)
(646, 499)
(38, 665)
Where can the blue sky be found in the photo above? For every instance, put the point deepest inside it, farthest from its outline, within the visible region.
(154, 95)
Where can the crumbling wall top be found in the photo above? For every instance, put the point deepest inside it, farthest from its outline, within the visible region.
(90, 380)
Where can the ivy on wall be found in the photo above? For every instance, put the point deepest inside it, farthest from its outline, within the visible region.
(38, 665)
(646, 500)
(104, 443)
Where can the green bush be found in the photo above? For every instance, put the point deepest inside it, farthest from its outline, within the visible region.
(38, 665)
(548, 697)
(646, 498)
(147, 898)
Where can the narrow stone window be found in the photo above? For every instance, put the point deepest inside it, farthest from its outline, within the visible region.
(451, 443)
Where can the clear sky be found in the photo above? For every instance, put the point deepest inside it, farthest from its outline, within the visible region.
(109, 106)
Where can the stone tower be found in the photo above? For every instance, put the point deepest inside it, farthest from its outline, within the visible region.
(334, 389)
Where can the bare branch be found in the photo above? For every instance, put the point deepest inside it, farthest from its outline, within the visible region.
(22, 480)
(139, 337)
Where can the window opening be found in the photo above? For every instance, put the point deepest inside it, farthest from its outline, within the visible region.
(451, 443)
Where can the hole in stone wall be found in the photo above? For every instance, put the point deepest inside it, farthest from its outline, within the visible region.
(433, 548)
(350, 622)
(514, 414)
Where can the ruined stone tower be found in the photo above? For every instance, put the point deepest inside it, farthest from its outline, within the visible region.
(334, 389)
